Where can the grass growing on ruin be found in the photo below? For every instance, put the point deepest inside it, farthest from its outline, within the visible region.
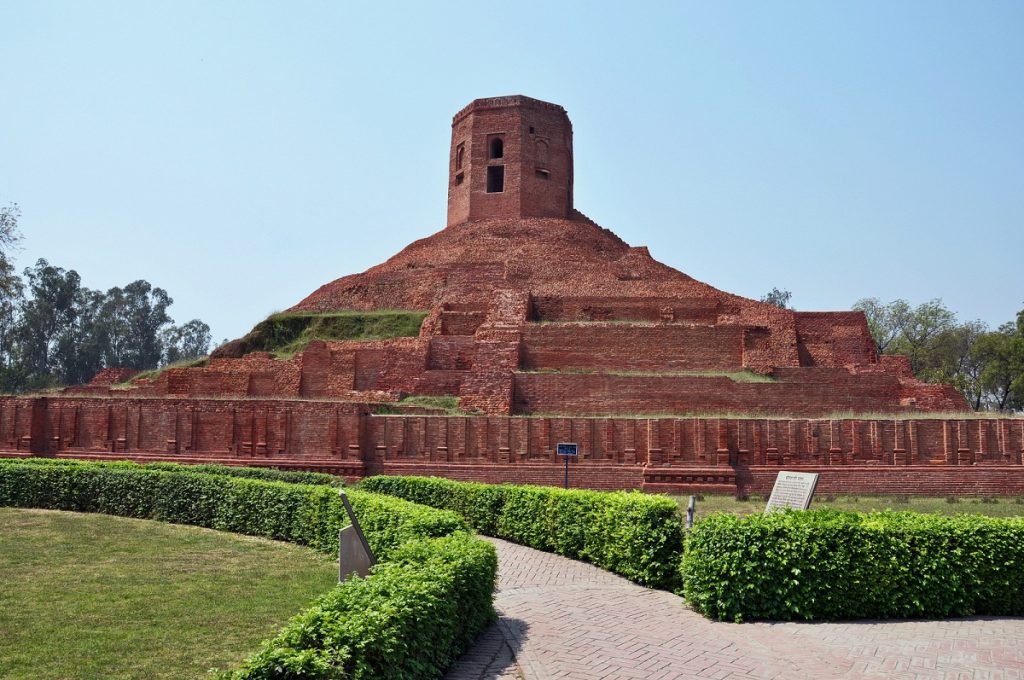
(991, 506)
(155, 373)
(450, 405)
(93, 596)
(290, 332)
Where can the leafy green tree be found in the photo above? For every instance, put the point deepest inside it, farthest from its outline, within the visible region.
(187, 341)
(884, 321)
(919, 332)
(11, 290)
(47, 315)
(987, 367)
(129, 324)
(1001, 354)
(779, 298)
(10, 240)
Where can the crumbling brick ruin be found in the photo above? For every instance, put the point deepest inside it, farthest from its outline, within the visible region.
(546, 327)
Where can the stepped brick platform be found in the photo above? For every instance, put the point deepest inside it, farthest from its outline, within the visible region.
(532, 309)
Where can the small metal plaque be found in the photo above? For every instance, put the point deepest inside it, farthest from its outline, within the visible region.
(566, 449)
(792, 490)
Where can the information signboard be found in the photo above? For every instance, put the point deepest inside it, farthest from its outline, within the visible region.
(566, 449)
(792, 490)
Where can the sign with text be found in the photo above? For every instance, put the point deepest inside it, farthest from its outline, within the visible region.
(792, 490)
(564, 449)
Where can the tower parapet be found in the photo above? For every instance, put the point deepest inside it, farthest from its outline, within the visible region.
(510, 157)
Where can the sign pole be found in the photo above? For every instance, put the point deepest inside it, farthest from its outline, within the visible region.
(566, 450)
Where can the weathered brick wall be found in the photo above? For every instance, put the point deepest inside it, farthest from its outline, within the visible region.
(536, 160)
(627, 347)
(112, 376)
(585, 394)
(835, 339)
(461, 322)
(642, 309)
(930, 456)
(451, 353)
(256, 429)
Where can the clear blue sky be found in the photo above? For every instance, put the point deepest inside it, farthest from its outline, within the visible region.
(240, 154)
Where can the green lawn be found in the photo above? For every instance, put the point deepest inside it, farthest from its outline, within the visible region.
(93, 596)
(991, 506)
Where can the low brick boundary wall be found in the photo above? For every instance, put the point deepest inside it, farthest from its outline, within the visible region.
(905, 456)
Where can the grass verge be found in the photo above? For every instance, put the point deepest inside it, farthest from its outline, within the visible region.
(94, 596)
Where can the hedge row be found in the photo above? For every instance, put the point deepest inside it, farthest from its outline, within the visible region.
(827, 564)
(298, 513)
(438, 596)
(428, 598)
(266, 474)
(636, 535)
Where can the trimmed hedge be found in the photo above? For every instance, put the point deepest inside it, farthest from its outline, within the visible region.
(637, 535)
(438, 595)
(266, 474)
(298, 513)
(430, 595)
(828, 564)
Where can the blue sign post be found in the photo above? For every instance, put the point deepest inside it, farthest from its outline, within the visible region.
(567, 451)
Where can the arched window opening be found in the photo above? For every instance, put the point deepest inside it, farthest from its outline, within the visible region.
(497, 148)
(458, 156)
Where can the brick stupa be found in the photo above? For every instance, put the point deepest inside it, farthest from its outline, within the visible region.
(547, 328)
(534, 308)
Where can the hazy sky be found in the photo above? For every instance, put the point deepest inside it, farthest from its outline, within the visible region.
(240, 154)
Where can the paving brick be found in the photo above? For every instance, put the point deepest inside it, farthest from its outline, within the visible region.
(567, 619)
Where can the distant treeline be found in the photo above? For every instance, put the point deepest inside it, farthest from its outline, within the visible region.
(986, 366)
(54, 331)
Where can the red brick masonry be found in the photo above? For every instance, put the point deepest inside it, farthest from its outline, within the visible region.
(533, 309)
(912, 456)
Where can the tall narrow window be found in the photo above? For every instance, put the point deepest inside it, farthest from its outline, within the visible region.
(459, 151)
(495, 179)
(497, 148)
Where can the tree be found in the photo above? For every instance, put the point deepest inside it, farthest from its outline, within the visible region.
(986, 367)
(919, 332)
(130, 323)
(50, 312)
(1001, 354)
(11, 290)
(779, 298)
(188, 341)
(10, 240)
(884, 321)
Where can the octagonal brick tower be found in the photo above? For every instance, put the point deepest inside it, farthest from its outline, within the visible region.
(510, 157)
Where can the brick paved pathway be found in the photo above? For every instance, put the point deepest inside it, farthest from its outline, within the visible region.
(562, 619)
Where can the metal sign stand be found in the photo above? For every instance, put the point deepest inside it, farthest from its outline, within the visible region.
(567, 450)
(354, 553)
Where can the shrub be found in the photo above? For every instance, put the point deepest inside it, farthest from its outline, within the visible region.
(636, 535)
(430, 595)
(827, 564)
(267, 474)
(300, 513)
(411, 619)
